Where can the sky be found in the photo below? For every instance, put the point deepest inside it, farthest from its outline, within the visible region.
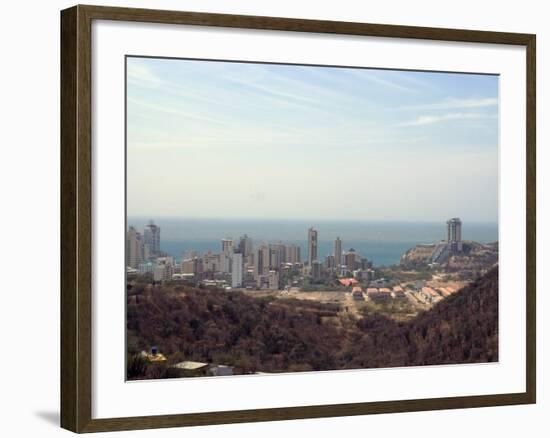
(213, 139)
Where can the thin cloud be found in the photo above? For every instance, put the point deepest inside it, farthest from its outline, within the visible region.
(430, 120)
(273, 91)
(284, 90)
(453, 103)
(143, 76)
(368, 75)
(412, 78)
(174, 111)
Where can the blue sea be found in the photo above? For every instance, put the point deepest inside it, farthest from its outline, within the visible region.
(381, 242)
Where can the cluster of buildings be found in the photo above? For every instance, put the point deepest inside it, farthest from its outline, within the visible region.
(241, 264)
(422, 293)
(342, 263)
(143, 252)
(433, 294)
(384, 294)
(277, 266)
(378, 291)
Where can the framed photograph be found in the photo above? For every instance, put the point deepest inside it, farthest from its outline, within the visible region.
(271, 218)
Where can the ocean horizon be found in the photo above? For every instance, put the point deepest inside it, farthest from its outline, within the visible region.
(382, 242)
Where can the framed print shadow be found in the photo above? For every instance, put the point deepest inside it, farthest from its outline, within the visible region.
(271, 218)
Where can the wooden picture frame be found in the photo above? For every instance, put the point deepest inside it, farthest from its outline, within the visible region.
(76, 217)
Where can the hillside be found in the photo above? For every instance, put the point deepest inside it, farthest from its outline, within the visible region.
(460, 329)
(269, 335)
(474, 258)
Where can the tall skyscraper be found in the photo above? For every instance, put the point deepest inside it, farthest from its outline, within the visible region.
(293, 254)
(261, 261)
(312, 245)
(338, 251)
(329, 262)
(237, 270)
(226, 256)
(245, 246)
(454, 234)
(134, 248)
(350, 259)
(277, 255)
(274, 260)
(151, 236)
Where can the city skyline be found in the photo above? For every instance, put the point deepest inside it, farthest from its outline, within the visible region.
(245, 244)
(243, 262)
(240, 262)
(219, 139)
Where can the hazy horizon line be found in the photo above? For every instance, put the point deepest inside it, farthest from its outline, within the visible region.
(261, 219)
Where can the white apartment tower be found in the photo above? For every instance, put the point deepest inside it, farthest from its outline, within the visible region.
(225, 256)
(163, 269)
(237, 270)
(273, 280)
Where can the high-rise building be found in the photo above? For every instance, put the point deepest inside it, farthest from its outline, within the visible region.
(364, 263)
(329, 262)
(312, 245)
(163, 269)
(146, 268)
(316, 269)
(211, 262)
(248, 278)
(249, 260)
(151, 236)
(227, 246)
(134, 248)
(454, 234)
(225, 262)
(189, 266)
(261, 261)
(245, 246)
(293, 254)
(338, 251)
(237, 270)
(351, 259)
(273, 256)
(273, 280)
(277, 255)
(225, 256)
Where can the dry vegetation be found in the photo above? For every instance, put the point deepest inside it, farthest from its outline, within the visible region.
(282, 335)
